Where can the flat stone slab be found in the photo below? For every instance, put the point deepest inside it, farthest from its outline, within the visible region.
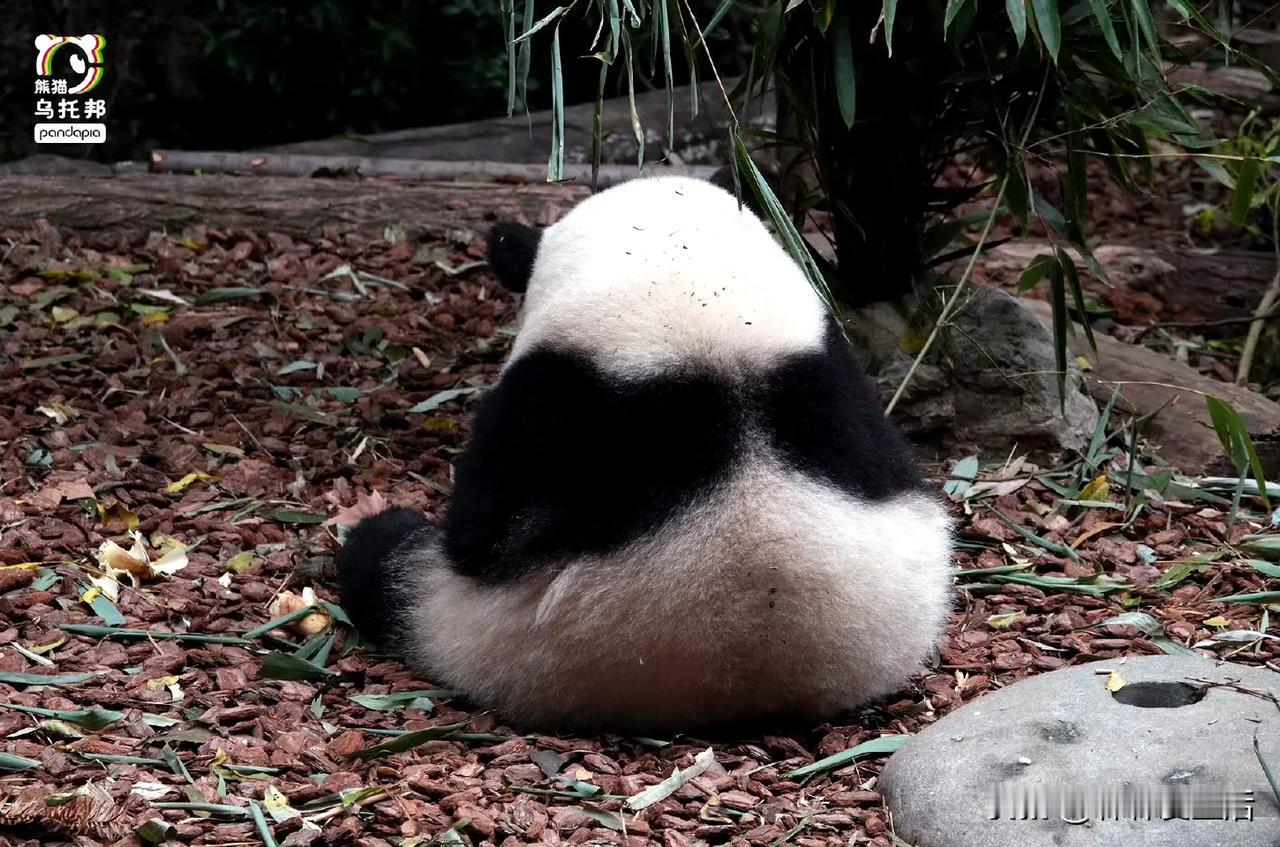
(1060, 747)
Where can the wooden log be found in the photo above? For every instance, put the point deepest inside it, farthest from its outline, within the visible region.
(1191, 287)
(301, 165)
(1248, 88)
(527, 138)
(278, 204)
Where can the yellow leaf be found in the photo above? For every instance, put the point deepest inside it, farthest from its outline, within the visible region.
(1098, 489)
(440, 424)
(1085, 364)
(911, 342)
(240, 562)
(89, 596)
(45, 648)
(1115, 682)
(62, 314)
(178, 486)
(159, 682)
(155, 318)
(1217, 620)
(276, 804)
(60, 412)
(219, 758)
(106, 585)
(1003, 621)
(118, 514)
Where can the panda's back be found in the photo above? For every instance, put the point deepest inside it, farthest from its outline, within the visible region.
(569, 458)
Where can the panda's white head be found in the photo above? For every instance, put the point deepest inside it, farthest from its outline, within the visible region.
(659, 274)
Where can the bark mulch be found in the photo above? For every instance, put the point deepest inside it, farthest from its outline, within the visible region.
(233, 393)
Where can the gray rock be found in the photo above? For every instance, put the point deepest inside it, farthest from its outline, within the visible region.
(1064, 732)
(991, 383)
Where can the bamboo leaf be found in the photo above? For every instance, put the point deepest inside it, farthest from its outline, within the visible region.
(874, 747)
(409, 740)
(1262, 545)
(260, 823)
(1142, 12)
(1058, 299)
(1246, 181)
(139, 634)
(1238, 444)
(1036, 271)
(890, 11)
(283, 620)
(287, 666)
(662, 21)
(721, 11)
(542, 23)
(11, 762)
(791, 238)
(437, 400)
(555, 164)
(91, 719)
(1017, 12)
(637, 129)
(846, 73)
(1257, 598)
(1077, 295)
(1266, 768)
(661, 791)
(1103, 16)
(1049, 24)
(524, 58)
(509, 12)
(62, 679)
(401, 700)
(223, 295)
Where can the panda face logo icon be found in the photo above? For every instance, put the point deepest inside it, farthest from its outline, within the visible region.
(75, 58)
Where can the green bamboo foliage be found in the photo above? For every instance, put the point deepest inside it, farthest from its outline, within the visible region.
(875, 100)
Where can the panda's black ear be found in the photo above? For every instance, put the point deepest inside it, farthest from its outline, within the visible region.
(723, 178)
(512, 248)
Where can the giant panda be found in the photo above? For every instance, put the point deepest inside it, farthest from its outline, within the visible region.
(681, 503)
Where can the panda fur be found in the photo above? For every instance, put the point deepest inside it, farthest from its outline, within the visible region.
(681, 502)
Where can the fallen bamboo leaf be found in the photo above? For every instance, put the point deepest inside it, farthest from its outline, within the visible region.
(873, 747)
(401, 700)
(180, 485)
(409, 740)
(127, 634)
(62, 679)
(91, 719)
(10, 762)
(286, 666)
(672, 784)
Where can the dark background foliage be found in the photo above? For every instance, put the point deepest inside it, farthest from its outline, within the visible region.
(236, 74)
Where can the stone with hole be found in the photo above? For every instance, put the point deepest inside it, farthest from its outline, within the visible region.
(1059, 760)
